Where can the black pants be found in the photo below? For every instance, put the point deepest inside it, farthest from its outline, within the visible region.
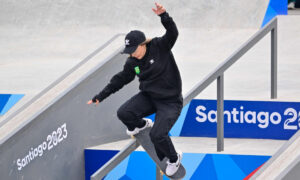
(167, 112)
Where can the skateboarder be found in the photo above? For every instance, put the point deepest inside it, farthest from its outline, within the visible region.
(160, 88)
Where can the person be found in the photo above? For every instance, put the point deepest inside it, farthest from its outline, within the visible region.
(160, 88)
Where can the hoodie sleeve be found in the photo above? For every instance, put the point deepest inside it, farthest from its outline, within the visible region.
(168, 40)
(116, 83)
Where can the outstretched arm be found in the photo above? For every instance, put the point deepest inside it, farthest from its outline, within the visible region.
(116, 83)
(168, 40)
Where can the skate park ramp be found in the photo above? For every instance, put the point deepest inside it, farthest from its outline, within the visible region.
(37, 36)
(44, 39)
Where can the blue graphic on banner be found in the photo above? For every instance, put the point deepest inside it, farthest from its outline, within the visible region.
(275, 7)
(7, 101)
(243, 119)
(176, 129)
(94, 159)
(198, 166)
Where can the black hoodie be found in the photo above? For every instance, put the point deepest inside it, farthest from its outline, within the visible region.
(157, 71)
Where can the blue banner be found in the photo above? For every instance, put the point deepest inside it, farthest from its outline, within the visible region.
(197, 165)
(243, 119)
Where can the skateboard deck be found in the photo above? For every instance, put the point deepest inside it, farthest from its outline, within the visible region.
(144, 139)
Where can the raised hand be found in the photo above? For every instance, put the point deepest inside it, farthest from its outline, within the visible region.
(159, 9)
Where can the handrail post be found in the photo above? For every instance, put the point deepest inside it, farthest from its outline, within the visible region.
(274, 61)
(220, 114)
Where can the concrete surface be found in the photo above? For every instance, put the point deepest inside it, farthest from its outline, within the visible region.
(40, 40)
(249, 78)
(46, 100)
(281, 164)
(62, 113)
(43, 39)
(46, 14)
(208, 145)
(294, 11)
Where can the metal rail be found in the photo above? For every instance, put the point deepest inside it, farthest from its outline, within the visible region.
(217, 74)
(100, 173)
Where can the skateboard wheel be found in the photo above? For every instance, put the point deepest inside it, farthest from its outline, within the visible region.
(132, 137)
(161, 172)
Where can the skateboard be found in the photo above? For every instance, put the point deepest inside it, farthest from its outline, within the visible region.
(143, 138)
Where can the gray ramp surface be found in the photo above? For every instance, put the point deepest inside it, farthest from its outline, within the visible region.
(40, 40)
(46, 140)
(208, 145)
(114, 13)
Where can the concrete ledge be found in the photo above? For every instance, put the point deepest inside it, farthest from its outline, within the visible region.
(208, 145)
(28, 114)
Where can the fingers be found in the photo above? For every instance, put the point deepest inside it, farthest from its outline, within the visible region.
(159, 9)
(91, 102)
(158, 6)
(154, 10)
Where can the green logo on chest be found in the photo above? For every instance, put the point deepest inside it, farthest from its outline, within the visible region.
(137, 70)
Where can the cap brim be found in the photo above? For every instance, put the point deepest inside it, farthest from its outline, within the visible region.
(129, 50)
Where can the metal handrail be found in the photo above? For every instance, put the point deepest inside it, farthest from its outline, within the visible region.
(217, 74)
(100, 173)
